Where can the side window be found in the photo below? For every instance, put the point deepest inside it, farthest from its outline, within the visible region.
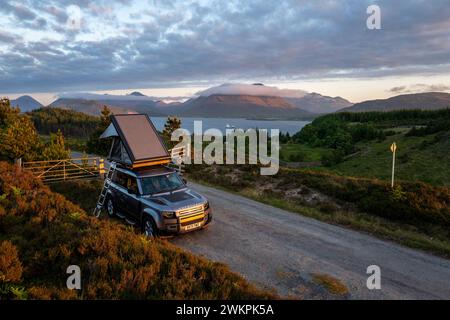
(132, 184)
(126, 181)
(120, 178)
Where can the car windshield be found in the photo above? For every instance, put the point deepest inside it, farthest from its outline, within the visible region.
(162, 183)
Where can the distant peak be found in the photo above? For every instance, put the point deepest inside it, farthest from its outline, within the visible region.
(136, 94)
(255, 89)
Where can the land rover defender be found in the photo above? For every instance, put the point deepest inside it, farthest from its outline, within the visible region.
(157, 200)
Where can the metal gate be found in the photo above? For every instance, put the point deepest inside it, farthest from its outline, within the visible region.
(67, 169)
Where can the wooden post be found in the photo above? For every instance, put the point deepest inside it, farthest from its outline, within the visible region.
(18, 164)
(101, 167)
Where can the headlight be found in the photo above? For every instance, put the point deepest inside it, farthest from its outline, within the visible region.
(168, 214)
(206, 206)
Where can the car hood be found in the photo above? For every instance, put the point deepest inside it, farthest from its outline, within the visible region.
(177, 200)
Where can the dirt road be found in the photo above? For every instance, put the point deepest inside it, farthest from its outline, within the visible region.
(279, 249)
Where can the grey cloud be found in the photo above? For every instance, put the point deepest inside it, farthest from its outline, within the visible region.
(22, 12)
(7, 37)
(420, 87)
(228, 40)
(398, 89)
(60, 14)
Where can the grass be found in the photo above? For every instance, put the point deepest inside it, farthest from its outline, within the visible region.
(418, 158)
(424, 159)
(82, 192)
(332, 284)
(301, 153)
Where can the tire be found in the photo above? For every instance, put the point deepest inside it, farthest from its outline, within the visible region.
(110, 208)
(149, 228)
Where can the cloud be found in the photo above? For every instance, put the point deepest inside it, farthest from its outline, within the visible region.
(116, 97)
(398, 89)
(7, 37)
(252, 90)
(23, 13)
(126, 44)
(420, 87)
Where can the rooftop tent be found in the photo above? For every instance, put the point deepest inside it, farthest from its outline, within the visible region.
(136, 143)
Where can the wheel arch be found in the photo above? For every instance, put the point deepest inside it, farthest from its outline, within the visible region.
(148, 212)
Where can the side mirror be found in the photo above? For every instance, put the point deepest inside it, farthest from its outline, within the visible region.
(184, 181)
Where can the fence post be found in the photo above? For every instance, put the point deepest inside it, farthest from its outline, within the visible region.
(101, 167)
(18, 163)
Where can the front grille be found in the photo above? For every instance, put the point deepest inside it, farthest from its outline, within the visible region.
(190, 211)
(191, 215)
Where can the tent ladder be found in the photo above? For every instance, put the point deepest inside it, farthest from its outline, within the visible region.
(106, 184)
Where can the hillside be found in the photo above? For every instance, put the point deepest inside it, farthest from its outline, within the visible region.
(242, 106)
(357, 144)
(317, 103)
(419, 158)
(422, 101)
(42, 233)
(71, 123)
(93, 107)
(26, 103)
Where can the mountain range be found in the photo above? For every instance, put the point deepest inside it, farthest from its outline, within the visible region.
(239, 101)
(224, 101)
(423, 101)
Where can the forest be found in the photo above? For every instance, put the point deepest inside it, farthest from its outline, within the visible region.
(71, 123)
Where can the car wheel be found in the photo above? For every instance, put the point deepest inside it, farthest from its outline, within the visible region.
(149, 228)
(110, 207)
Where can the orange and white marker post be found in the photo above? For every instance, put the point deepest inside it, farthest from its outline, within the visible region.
(393, 149)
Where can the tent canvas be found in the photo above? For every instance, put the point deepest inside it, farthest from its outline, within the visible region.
(136, 142)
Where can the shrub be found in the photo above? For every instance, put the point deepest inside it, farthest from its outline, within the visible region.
(333, 157)
(415, 203)
(297, 157)
(56, 149)
(10, 265)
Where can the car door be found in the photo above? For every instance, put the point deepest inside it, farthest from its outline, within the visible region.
(131, 199)
(119, 191)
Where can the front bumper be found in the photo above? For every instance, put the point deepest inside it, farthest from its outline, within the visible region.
(185, 224)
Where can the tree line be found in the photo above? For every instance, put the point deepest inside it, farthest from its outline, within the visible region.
(20, 140)
(392, 118)
(71, 123)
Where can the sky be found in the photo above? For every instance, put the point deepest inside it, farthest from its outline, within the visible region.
(179, 47)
